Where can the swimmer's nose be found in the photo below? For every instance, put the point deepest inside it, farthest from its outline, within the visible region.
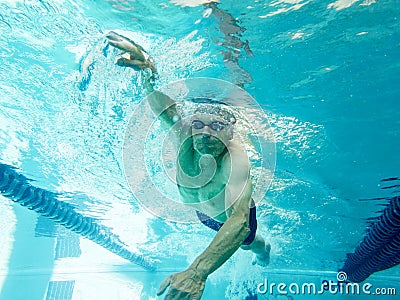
(206, 132)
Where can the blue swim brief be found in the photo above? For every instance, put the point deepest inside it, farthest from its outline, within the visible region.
(215, 225)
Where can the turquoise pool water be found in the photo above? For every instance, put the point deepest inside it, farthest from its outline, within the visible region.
(326, 74)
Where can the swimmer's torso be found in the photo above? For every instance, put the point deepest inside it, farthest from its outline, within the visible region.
(202, 188)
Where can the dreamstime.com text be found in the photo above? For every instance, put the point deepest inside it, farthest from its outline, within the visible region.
(326, 287)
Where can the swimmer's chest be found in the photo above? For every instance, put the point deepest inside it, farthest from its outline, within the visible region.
(214, 188)
(209, 197)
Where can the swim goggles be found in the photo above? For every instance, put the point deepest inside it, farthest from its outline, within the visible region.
(216, 125)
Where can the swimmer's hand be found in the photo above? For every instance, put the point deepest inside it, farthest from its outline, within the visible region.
(135, 56)
(188, 284)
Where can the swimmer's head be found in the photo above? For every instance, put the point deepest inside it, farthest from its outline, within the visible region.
(208, 107)
(211, 125)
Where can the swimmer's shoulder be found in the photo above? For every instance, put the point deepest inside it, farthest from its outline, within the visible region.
(236, 157)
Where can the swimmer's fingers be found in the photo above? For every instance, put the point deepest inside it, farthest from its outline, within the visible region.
(179, 295)
(123, 43)
(164, 285)
(186, 285)
(135, 56)
(173, 293)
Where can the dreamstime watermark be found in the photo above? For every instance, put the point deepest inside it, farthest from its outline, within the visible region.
(161, 137)
(340, 286)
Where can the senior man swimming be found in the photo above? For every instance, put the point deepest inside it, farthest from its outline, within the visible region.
(213, 176)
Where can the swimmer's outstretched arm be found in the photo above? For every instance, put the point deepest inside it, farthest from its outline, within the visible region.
(164, 107)
(190, 283)
(136, 57)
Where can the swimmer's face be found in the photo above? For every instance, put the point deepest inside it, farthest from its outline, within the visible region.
(211, 134)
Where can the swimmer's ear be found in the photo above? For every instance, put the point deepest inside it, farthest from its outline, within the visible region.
(186, 121)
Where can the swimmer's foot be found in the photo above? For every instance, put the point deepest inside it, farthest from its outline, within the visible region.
(262, 259)
(135, 56)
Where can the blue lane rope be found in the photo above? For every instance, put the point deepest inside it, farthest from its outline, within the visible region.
(17, 187)
(380, 248)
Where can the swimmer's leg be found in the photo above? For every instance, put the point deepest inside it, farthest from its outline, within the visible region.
(261, 251)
